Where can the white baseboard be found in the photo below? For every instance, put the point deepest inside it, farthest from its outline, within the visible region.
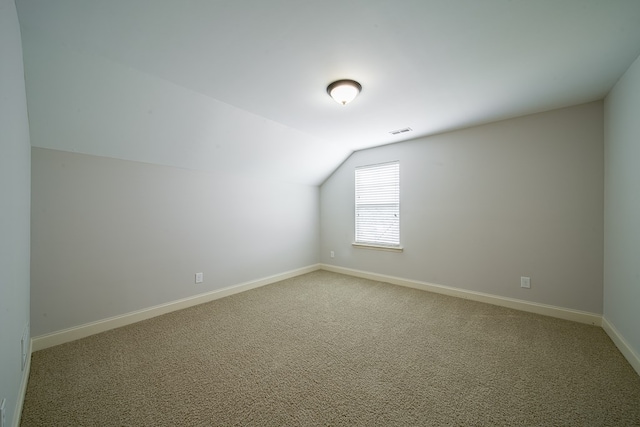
(82, 331)
(17, 414)
(627, 351)
(531, 307)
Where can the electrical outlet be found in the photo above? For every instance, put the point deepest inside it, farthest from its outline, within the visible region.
(199, 277)
(3, 420)
(525, 282)
(24, 345)
(333, 254)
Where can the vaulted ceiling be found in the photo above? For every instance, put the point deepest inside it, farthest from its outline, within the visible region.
(240, 85)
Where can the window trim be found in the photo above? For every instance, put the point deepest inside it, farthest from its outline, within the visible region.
(372, 244)
(377, 247)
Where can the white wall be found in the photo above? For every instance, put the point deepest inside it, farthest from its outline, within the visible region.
(139, 183)
(483, 206)
(14, 209)
(110, 236)
(622, 209)
(82, 102)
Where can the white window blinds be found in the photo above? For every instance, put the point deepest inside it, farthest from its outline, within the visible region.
(378, 204)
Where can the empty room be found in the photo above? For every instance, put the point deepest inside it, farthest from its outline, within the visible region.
(304, 213)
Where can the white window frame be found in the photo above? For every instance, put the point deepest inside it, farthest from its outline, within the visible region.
(377, 206)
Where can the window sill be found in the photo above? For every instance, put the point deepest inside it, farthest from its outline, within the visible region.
(378, 247)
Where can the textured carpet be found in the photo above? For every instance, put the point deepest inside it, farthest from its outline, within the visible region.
(325, 349)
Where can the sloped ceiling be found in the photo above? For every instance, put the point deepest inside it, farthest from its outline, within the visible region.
(239, 85)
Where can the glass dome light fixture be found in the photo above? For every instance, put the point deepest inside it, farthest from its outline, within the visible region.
(344, 91)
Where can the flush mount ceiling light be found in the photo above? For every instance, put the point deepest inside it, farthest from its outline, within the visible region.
(344, 91)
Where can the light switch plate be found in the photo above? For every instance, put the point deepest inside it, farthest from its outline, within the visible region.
(3, 413)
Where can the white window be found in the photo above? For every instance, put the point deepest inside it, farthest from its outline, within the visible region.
(378, 205)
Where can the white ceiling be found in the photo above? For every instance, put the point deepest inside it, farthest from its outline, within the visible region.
(432, 65)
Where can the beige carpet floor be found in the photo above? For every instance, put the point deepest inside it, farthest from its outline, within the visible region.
(325, 349)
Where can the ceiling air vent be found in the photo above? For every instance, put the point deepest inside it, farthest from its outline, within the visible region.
(399, 131)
